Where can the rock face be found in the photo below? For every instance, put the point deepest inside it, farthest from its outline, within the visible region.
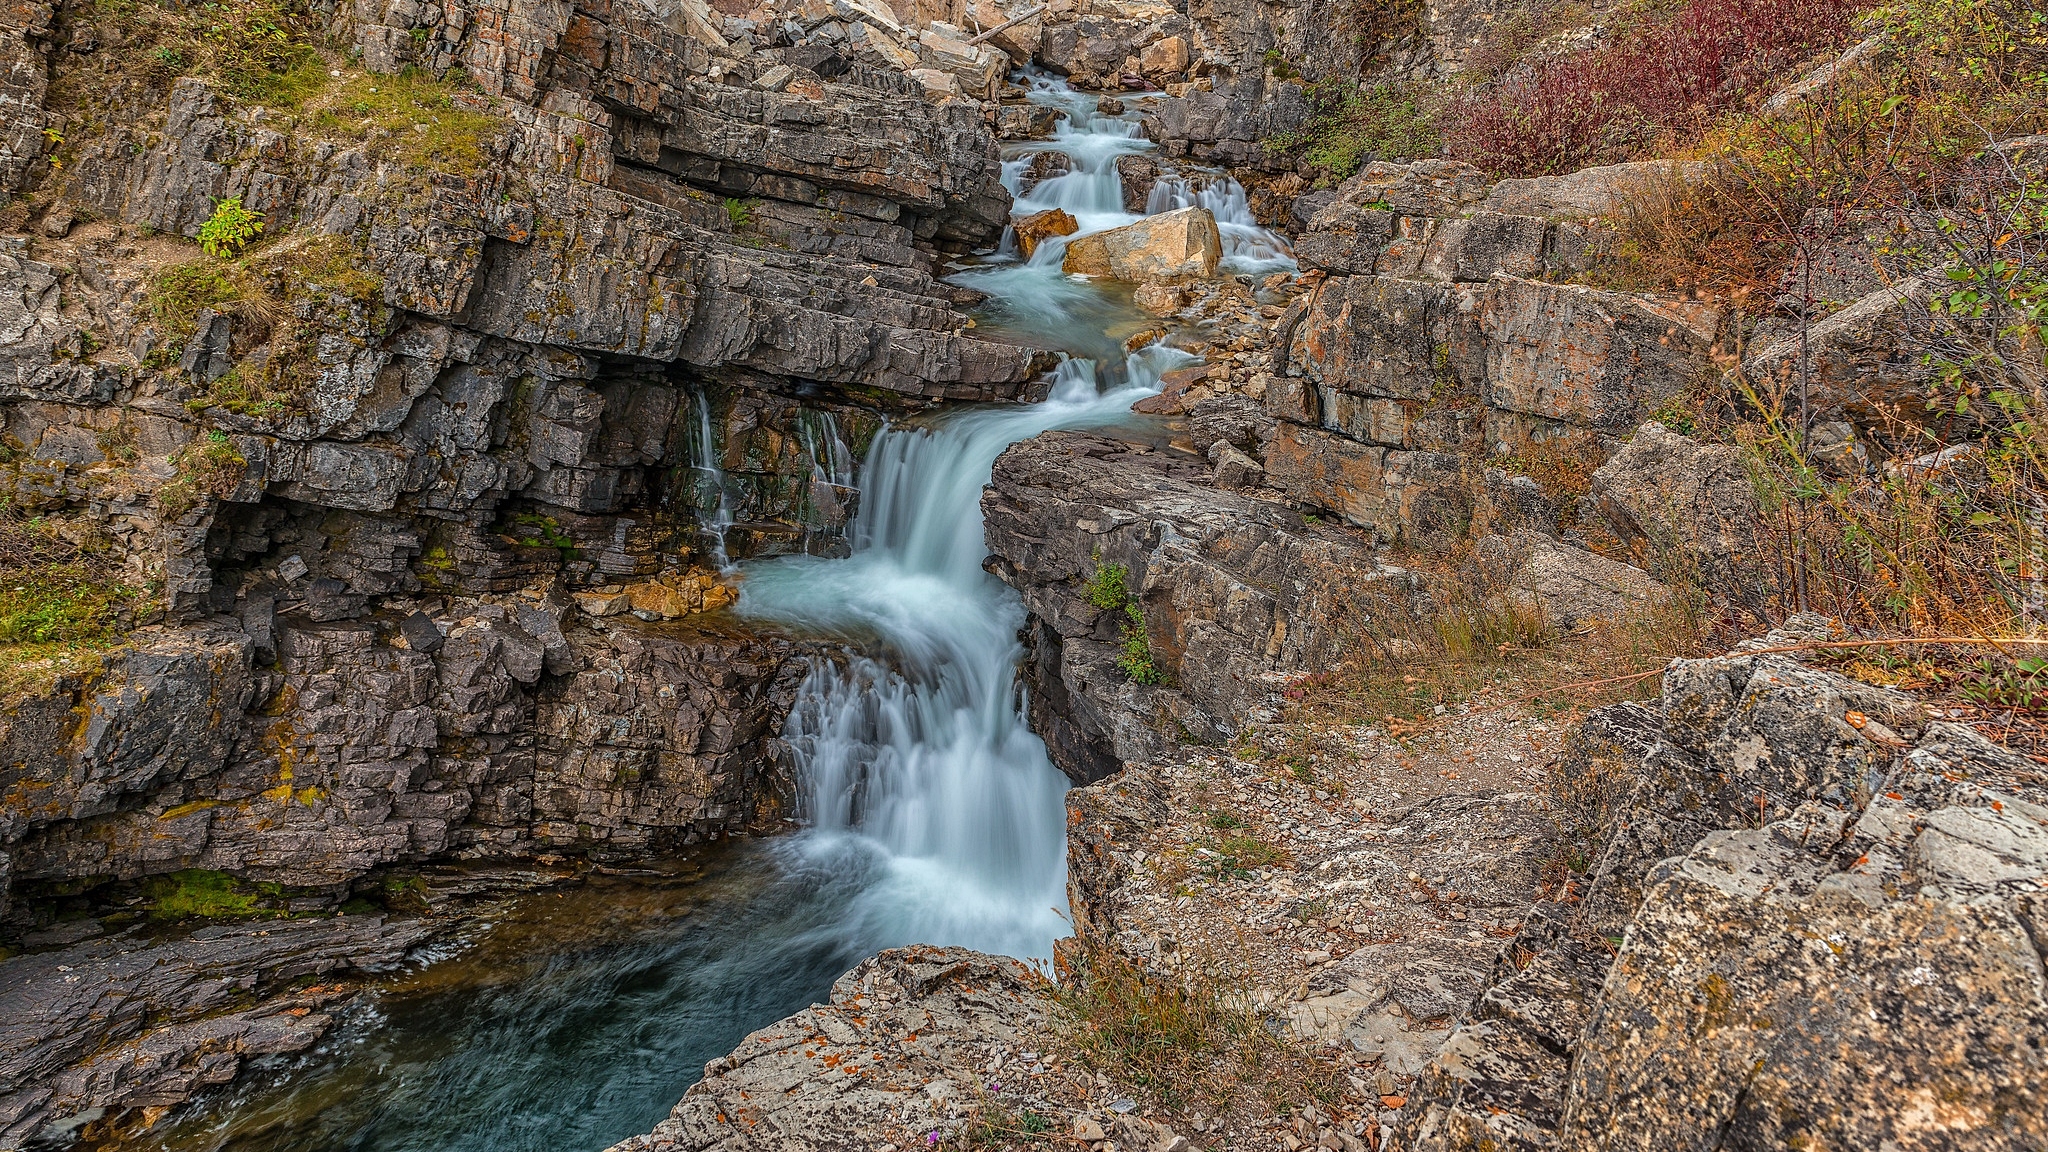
(896, 1055)
(1436, 342)
(1236, 593)
(119, 1023)
(650, 324)
(1179, 245)
(349, 752)
(1677, 502)
(1881, 918)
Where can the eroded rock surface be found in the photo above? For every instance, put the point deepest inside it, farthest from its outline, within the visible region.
(900, 1052)
(1762, 982)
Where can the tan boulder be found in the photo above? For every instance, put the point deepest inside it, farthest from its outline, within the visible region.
(602, 603)
(938, 85)
(1033, 229)
(1164, 60)
(1156, 299)
(980, 70)
(878, 49)
(1178, 245)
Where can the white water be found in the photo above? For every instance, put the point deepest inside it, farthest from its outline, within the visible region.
(921, 775)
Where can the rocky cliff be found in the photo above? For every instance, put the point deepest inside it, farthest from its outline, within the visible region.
(394, 525)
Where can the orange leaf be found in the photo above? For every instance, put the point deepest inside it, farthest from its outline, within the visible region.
(1856, 719)
(1393, 1101)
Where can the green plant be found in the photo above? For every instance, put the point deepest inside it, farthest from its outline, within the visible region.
(197, 893)
(229, 228)
(1108, 588)
(1353, 125)
(536, 530)
(209, 466)
(1224, 821)
(2020, 683)
(422, 122)
(739, 214)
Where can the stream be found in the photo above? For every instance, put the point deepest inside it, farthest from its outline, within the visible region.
(931, 814)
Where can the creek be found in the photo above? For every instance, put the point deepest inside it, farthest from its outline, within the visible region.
(573, 1018)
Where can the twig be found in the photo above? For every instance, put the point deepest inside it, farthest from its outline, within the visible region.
(1021, 17)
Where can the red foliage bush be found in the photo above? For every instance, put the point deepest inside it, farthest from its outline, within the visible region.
(1656, 87)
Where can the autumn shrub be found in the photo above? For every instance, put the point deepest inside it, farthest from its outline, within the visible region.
(1657, 87)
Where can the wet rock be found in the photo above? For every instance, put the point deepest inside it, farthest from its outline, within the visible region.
(1178, 245)
(120, 1022)
(1137, 174)
(1033, 229)
(1025, 122)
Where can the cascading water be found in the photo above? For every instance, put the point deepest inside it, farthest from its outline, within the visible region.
(1248, 246)
(710, 483)
(933, 814)
(919, 769)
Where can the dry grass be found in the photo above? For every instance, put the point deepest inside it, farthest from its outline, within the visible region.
(1195, 1038)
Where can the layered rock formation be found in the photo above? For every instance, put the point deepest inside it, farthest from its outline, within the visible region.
(1811, 887)
(1430, 346)
(547, 367)
(588, 300)
(1235, 594)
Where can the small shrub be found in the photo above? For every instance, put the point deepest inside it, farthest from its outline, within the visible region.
(1354, 125)
(209, 466)
(229, 228)
(1109, 589)
(739, 214)
(412, 118)
(1195, 1038)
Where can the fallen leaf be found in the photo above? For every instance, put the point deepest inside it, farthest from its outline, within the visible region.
(1393, 1101)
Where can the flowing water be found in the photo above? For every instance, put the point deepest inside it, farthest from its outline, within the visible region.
(931, 811)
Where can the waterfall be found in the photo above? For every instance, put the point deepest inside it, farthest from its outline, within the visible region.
(1248, 246)
(704, 462)
(917, 763)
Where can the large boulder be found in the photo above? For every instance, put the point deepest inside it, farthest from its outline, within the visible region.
(1859, 364)
(1589, 192)
(1178, 245)
(1814, 923)
(1677, 503)
(1570, 586)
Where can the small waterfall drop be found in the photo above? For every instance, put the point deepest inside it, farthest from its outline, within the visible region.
(1248, 246)
(710, 495)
